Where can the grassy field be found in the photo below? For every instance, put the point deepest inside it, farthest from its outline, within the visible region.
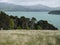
(29, 37)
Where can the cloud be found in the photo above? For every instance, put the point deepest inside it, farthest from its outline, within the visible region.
(50, 3)
(25, 0)
(3, 0)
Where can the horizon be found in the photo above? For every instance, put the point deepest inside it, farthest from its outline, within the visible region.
(49, 3)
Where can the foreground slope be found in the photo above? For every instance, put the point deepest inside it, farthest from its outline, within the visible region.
(25, 37)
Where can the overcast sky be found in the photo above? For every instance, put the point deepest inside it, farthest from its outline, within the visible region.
(50, 3)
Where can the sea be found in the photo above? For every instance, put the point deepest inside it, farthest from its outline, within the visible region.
(51, 18)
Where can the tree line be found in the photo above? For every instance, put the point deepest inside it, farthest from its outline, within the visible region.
(13, 22)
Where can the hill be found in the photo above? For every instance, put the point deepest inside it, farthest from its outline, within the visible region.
(54, 12)
(10, 7)
(13, 7)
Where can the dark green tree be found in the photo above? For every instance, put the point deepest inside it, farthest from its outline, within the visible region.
(45, 25)
(4, 20)
(32, 23)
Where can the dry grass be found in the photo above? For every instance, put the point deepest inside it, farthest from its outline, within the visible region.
(29, 37)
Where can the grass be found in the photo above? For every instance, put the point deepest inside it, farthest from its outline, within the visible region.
(57, 40)
(29, 37)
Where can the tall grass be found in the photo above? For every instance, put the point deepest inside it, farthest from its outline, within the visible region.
(29, 37)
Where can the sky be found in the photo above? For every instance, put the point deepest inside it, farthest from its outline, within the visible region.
(50, 3)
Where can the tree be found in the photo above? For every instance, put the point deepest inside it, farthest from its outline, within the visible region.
(32, 23)
(22, 20)
(4, 20)
(11, 24)
(38, 27)
(46, 26)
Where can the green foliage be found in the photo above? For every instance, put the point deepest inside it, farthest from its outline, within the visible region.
(19, 27)
(4, 20)
(33, 19)
(38, 27)
(11, 24)
(27, 28)
(49, 44)
(45, 25)
(57, 41)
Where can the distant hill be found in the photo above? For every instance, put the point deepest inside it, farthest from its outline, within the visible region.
(38, 7)
(56, 8)
(10, 7)
(54, 12)
(13, 7)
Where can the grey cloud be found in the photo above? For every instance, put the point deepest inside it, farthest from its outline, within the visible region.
(51, 3)
(26, 0)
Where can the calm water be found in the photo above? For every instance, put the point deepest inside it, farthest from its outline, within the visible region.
(52, 19)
